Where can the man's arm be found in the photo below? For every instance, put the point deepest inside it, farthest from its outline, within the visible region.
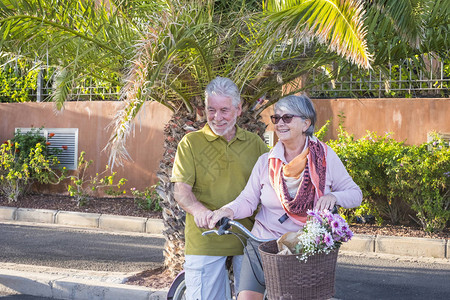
(186, 199)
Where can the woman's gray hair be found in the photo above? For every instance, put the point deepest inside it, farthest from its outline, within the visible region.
(225, 87)
(300, 106)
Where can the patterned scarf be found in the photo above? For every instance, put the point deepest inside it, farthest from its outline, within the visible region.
(313, 163)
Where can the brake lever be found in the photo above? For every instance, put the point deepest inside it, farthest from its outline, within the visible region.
(209, 232)
(216, 232)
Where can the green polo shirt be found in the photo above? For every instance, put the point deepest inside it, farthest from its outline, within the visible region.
(218, 171)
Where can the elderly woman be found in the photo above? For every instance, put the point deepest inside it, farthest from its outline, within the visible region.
(298, 174)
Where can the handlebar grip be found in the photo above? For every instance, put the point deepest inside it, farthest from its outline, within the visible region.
(222, 221)
(334, 210)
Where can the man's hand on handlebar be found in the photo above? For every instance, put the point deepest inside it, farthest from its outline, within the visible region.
(218, 215)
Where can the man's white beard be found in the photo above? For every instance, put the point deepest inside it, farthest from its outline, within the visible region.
(227, 129)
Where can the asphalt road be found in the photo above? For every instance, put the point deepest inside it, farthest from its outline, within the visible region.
(391, 277)
(365, 276)
(82, 249)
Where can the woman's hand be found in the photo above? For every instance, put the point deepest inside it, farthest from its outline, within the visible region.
(219, 214)
(327, 201)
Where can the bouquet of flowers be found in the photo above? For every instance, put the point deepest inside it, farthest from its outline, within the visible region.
(322, 233)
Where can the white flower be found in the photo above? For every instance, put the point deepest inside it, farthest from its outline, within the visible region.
(322, 233)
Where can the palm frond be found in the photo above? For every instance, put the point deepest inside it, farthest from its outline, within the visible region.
(337, 24)
(405, 17)
(62, 86)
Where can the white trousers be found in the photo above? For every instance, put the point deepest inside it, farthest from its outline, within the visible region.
(206, 277)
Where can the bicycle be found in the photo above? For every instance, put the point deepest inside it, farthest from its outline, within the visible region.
(177, 289)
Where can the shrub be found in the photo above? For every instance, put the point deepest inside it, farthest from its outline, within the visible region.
(371, 162)
(147, 199)
(85, 187)
(17, 173)
(320, 134)
(424, 179)
(398, 180)
(28, 141)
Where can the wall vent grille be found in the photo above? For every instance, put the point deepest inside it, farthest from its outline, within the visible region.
(65, 139)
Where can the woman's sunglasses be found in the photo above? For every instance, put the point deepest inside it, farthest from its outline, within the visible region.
(287, 118)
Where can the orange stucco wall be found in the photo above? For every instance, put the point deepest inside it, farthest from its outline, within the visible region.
(408, 119)
(145, 146)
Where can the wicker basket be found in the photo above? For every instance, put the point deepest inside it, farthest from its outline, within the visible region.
(287, 278)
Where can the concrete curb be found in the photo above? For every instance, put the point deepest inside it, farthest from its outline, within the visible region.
(78, 219)
(79, 285)
(405, 246)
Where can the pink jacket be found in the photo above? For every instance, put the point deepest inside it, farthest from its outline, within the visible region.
(259, 190)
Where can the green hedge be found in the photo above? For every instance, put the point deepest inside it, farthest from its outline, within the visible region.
(399, 182)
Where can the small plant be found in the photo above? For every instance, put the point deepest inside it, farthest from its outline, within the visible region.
(84, 187)
(147, 199)
(320, 134)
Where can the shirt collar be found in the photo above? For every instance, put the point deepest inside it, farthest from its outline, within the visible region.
(211, 136)
(278, 150)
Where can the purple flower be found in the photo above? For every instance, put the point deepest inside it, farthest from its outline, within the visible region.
(318, 240)
(337, 235)
(312, 213)
(328, 240)
(316, 215)
(349, 234)
(335, 225)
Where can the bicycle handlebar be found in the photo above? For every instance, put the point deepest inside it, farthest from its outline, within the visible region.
(225, 223)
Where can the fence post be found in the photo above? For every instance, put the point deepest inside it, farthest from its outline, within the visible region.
(39, 90)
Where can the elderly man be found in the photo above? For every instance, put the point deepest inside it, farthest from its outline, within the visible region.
(211, 168)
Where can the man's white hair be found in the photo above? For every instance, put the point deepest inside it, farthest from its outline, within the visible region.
(225, 87)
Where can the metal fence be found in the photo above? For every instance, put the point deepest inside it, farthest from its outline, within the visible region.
(398, 81)
(404, 80)
(89, 93)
